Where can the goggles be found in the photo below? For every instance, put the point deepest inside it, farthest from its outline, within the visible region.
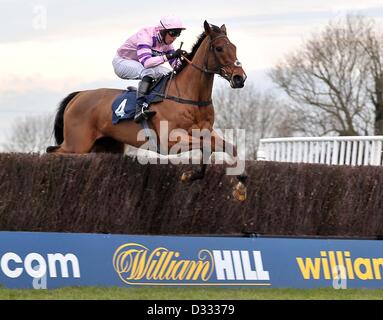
(174, 33)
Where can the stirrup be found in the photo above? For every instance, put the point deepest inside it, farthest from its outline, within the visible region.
(144, 113)
(144, 116)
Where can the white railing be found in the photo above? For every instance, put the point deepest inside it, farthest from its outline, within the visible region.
(354, 150)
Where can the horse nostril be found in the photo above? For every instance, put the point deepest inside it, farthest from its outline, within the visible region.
(238, 81)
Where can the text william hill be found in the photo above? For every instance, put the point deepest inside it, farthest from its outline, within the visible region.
(137, 264)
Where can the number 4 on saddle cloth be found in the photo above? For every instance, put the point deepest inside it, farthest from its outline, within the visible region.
(124, 106)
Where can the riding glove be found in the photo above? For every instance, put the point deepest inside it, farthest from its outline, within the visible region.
(176, 54)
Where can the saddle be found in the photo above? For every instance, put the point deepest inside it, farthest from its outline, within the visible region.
(157, 86)
(124, 106)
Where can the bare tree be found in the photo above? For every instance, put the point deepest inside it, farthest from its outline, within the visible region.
(260, 114)
(330, 80)
(30, 134)
(373, 45)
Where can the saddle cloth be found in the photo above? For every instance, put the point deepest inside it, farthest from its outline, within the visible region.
(124, 106)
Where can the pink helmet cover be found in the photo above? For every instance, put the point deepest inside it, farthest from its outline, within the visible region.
(171, 23)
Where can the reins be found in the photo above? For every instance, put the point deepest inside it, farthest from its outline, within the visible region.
(181, 100)
(203, 69)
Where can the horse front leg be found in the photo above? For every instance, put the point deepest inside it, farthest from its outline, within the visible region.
(190, 143)
(192, 175)
(238, 169)
(214, 143)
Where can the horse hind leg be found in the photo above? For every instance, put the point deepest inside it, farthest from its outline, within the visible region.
(52, 149)
(108, 145)
(61, 150)
(75, 142)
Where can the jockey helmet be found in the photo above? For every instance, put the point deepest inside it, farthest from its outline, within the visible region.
(170, 23)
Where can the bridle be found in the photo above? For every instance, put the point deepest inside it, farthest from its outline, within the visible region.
(221, 68)
(220, 71)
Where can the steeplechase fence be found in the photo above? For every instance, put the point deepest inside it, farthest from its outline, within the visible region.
(108, 220)
(354, 150)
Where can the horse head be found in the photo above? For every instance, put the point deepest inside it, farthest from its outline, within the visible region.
(222, 56)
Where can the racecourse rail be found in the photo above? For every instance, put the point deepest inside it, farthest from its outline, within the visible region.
(353, 150)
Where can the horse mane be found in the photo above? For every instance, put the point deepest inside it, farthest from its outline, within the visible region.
(193, 51)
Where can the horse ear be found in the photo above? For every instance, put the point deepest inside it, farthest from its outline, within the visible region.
(223, 29)
(207, 27)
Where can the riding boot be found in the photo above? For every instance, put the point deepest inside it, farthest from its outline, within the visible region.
(142, 107)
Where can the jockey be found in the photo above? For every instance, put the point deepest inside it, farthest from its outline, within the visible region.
(142, 56)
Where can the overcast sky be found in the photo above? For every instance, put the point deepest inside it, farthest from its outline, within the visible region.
(51, 48)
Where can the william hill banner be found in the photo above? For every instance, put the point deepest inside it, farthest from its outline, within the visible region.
(51, 260)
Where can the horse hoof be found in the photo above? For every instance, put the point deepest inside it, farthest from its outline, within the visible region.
(52, 149)
(239, 192)
(186, 176)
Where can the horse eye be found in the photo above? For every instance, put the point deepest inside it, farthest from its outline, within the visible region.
(219, 49)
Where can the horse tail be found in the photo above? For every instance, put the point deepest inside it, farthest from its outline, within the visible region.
(59, 119)
(58, 129)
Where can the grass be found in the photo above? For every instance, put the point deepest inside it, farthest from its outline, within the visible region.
(155, 293)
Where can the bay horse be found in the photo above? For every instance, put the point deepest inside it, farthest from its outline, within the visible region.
(84, 119)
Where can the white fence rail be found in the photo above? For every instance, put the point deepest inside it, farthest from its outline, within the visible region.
(355, 150)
